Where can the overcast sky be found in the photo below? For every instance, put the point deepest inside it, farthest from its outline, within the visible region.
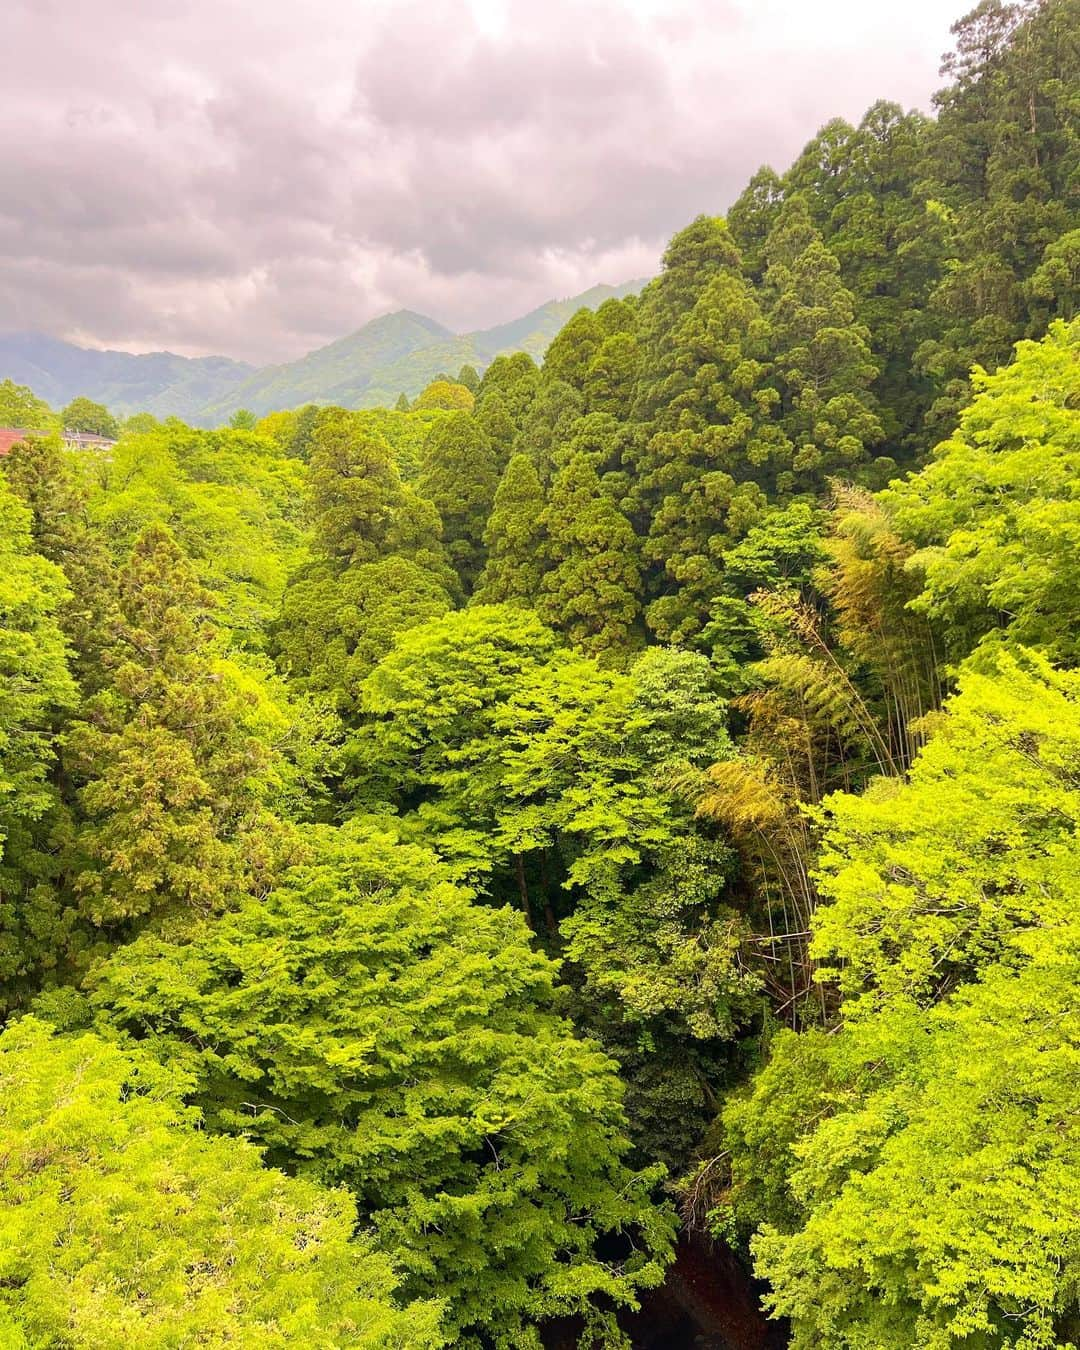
(257, 177)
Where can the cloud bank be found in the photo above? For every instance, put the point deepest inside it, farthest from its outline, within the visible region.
(256, 180)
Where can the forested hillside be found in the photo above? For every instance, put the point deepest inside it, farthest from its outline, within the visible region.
(395, 354)
(449, 850)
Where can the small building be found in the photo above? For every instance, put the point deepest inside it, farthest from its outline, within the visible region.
(73, 440)
(85, 440)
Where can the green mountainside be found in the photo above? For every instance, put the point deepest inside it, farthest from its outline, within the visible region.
(159, 382)
(393, 354)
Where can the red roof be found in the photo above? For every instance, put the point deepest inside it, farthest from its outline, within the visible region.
(10, 436)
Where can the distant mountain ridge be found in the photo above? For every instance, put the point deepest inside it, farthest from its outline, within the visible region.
(393, 354)
(159, 382)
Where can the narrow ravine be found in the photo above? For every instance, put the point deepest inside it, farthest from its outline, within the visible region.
(708, 1302)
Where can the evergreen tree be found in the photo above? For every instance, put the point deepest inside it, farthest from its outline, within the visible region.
(548, 425)
(61, 531)
(469, 376)
(822, 357)
(171, 762)
(572, 349)
(459, 475)
(514, 539)
(592, 590)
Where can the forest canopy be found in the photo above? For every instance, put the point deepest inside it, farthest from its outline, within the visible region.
(451, 854)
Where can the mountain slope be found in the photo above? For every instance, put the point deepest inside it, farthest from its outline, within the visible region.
(158, 382)
(534, 331)
(394, 354)
(400, 353)
(341, 372)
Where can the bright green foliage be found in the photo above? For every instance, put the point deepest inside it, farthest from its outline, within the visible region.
(48, 482)
(932, 880)
(36, 688)
(513, 539)
(545, 778)
(138, 424)
(693, 467)
(370, 1024)
(335, 627)
(231, 498)
(459, 475)
(243, 419)
(919, 1169)
(996, 514)
(445, 394)
(916, 1169)
(121, 1222)
(434, 699)
(592, 590)
(20, 407)
(82, 414)
(404, 433)
(173, 762)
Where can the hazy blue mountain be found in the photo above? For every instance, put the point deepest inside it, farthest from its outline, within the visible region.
(158, 382)
(397, 353)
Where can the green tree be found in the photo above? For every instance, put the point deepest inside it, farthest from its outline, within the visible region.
(514, 379)
(369, 1023)
(459, 475)
(334, 628)
(928, 1140)
(42, 475)
(546, 780)
(469, 376)
(360, 509)
(231, 498)
(823, 365)
(20, 407)
(36, 692)
(446, 394)
(592, 590)
(243, 420)
(171, 762)
(573, 348)
(514, 539)
(82, 414)
(995, 515)
(119, 1218)
(548, 425)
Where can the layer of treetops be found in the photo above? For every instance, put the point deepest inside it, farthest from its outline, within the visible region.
(446, 849)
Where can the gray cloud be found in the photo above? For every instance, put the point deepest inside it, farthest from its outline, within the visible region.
(258, 179)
